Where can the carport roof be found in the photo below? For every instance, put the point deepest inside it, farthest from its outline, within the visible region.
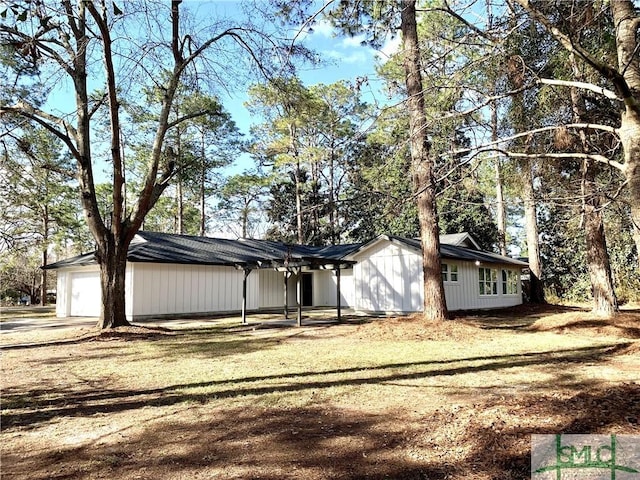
(154, 247)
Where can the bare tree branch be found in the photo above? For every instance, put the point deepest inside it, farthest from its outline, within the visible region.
(534, 131)
(578, 156)
(587, 86)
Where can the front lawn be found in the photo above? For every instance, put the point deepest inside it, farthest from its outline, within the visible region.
(373, 398)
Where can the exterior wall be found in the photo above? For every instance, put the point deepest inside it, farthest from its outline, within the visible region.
(164, 289)
(272, 289)
(323, 285)
(388, 278)
(465, 293)
(325, 288)
(61, 294)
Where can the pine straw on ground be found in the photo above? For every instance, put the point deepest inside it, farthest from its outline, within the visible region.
(414, 327)
(621, 325)
(129, 333)
(287, 404)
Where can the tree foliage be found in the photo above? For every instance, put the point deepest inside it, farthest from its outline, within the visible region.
(106, 53)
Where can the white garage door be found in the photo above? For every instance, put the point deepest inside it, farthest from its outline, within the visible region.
(85, 294)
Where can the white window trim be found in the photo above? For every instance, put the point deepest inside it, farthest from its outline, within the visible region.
(447, 272)
(492, 282)
(505, 282)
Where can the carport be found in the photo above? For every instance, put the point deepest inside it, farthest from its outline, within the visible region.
(174, 275)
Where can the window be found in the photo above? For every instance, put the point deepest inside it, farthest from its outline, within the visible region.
(488, 281)
(509, 282)
(449, 272)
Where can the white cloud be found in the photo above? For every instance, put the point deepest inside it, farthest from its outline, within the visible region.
(356, 41)
(344, 57)
(390, 47)
(323, 28)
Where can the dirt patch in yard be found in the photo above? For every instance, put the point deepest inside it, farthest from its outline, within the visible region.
(390, 398)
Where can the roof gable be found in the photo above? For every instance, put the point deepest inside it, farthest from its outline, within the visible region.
(463, 239)
(454, 247)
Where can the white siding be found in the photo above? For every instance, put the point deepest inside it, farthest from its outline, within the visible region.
(326, 289)
(347, 287)
(388, 278)
(62, 300)
(166, 289)
(465, 294)
(272, 289)
(78, 292)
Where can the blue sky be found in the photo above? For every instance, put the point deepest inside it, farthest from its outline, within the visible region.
(344, 58)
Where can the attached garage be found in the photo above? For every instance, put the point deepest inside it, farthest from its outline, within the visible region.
(170, 275)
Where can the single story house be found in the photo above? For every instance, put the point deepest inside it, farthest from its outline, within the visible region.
(170, 275)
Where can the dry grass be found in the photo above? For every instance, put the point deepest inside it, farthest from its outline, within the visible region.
(387, 398)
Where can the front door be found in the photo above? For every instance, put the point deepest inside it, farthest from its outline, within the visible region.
(307, 289)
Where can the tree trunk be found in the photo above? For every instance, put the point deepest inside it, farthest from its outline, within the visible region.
(297, 177)
(43, 287)
(179, 192)
(604, 297)
(245, 220)
(45, 253)
(333, 206)
(536, 294)
(315, 204)
(435, 306)
(179, 226)
(627, 22)
(603, 293)
(630, 136)
(298, 180)
(112, 258)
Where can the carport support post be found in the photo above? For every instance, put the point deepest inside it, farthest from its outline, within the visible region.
(287, 274)
(299, 295)
(247, 271)
(338, 300)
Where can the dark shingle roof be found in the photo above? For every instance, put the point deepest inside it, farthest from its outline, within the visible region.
(461, 253)
(157, 247)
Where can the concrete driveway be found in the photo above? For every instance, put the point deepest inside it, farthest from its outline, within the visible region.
(28, 319)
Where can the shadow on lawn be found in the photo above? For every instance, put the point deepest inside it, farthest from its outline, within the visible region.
(145, 330)
(316, 443)
(513, 318)
(507, 448)
(48, 403)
